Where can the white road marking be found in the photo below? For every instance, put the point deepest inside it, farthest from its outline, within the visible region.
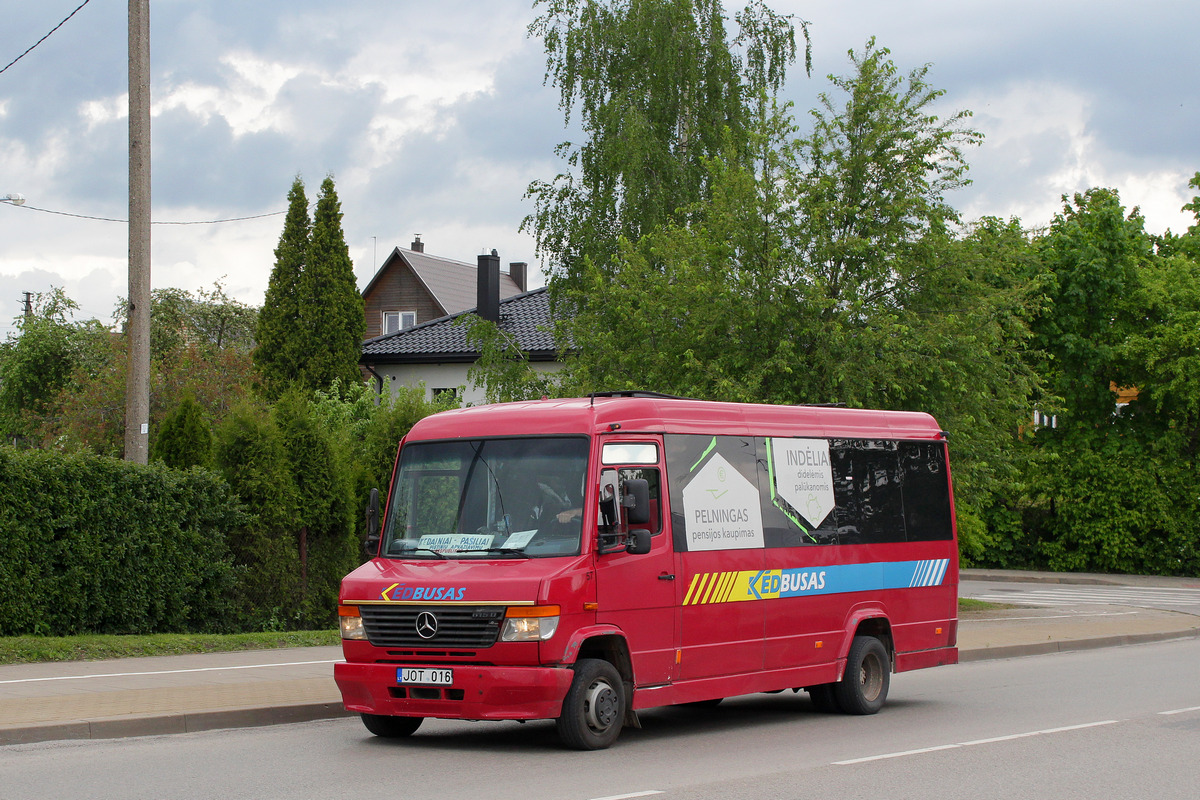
(900, 754)
(168, 671)
(1107, 595)
(1179, 711)
(646, 793)
(975, 742)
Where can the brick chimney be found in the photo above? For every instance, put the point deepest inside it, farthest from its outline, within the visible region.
(417, 246)
(517, 271)
(488, 294)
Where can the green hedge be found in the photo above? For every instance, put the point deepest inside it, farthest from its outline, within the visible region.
(92, 544)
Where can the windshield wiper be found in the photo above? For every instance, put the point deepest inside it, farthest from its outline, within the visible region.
(408, 550)
(504, 551)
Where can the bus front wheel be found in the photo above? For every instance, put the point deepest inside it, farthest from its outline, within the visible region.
(391, 727)
(594, 708)
(864, 687)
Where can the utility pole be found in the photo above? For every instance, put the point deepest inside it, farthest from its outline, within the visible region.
(28, 305)
(137, 379)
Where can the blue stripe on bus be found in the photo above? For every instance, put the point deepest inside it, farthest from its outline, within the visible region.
(839, 578)
(770, 584)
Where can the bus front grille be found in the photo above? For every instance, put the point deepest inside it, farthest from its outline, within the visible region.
(432, 626)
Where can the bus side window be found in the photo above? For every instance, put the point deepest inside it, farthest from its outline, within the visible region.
(867, 489)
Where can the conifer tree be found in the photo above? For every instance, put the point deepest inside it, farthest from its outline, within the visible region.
(184, 439)
(324, 521)
(331, 308)
(281, 343)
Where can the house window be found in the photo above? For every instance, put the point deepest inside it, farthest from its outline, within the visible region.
(398, 320)
(1041, 420)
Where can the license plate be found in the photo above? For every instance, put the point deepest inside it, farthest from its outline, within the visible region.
(412, 676)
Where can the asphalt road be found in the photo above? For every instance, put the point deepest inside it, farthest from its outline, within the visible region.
(1111, 723)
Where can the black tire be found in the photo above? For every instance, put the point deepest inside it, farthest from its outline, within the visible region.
(594, 708)
(391, 727)
(864, 687)
(824, 699)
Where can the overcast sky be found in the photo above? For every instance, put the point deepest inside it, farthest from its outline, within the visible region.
(433, 118)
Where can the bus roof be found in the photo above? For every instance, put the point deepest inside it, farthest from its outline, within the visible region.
(670, 415)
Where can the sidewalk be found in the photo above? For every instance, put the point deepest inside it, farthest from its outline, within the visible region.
(178, 694)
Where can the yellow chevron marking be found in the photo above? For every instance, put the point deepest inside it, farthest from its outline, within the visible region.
(730, 578)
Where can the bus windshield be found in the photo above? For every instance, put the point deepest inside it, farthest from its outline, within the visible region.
(488, 498)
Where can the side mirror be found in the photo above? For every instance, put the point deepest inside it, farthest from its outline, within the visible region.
(637, 500)
(371, 545)
(638, 542)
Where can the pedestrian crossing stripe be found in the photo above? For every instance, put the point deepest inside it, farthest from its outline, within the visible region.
(706, 588)
(1097, 596)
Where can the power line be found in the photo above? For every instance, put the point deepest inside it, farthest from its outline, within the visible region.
(44, 38)
(156, 222)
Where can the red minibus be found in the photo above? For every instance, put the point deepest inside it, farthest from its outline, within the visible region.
(581, 560)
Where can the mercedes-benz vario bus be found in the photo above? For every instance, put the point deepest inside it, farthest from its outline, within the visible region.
(582, 560)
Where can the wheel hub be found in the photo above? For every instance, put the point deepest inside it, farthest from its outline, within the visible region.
(600, 706)
(871, 678)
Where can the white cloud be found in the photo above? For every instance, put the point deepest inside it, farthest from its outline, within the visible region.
(1043, 142)
(1160, 195)
(248, 103)
(95, 113)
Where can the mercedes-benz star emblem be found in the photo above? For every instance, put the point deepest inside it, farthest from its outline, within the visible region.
(426, 625)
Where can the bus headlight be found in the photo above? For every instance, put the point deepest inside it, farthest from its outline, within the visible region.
(351, 623)
(529, 623)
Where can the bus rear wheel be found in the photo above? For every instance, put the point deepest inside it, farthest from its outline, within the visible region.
(864, 687)
(391, 727)
(594, 708)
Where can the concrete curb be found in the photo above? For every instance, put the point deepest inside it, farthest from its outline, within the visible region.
(159, 724)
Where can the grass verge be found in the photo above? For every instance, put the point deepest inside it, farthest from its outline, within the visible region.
(32, 649)
(966, 606)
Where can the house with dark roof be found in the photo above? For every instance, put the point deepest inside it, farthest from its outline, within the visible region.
(413, 287)
(436, 353)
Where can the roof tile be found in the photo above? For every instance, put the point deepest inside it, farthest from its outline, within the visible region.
(525, 317)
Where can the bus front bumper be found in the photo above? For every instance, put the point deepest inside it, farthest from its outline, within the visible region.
(478, 692)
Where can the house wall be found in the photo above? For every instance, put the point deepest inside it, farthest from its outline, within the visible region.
(443, 376)
(397, 290)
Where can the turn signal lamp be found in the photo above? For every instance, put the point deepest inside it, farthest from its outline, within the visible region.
(351, 623)
(529, 623)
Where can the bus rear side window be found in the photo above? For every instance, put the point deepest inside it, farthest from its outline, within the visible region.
(926, 491)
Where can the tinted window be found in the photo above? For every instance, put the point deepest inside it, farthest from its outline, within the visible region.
(713, 486)
(867, 486)
(926, 491)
